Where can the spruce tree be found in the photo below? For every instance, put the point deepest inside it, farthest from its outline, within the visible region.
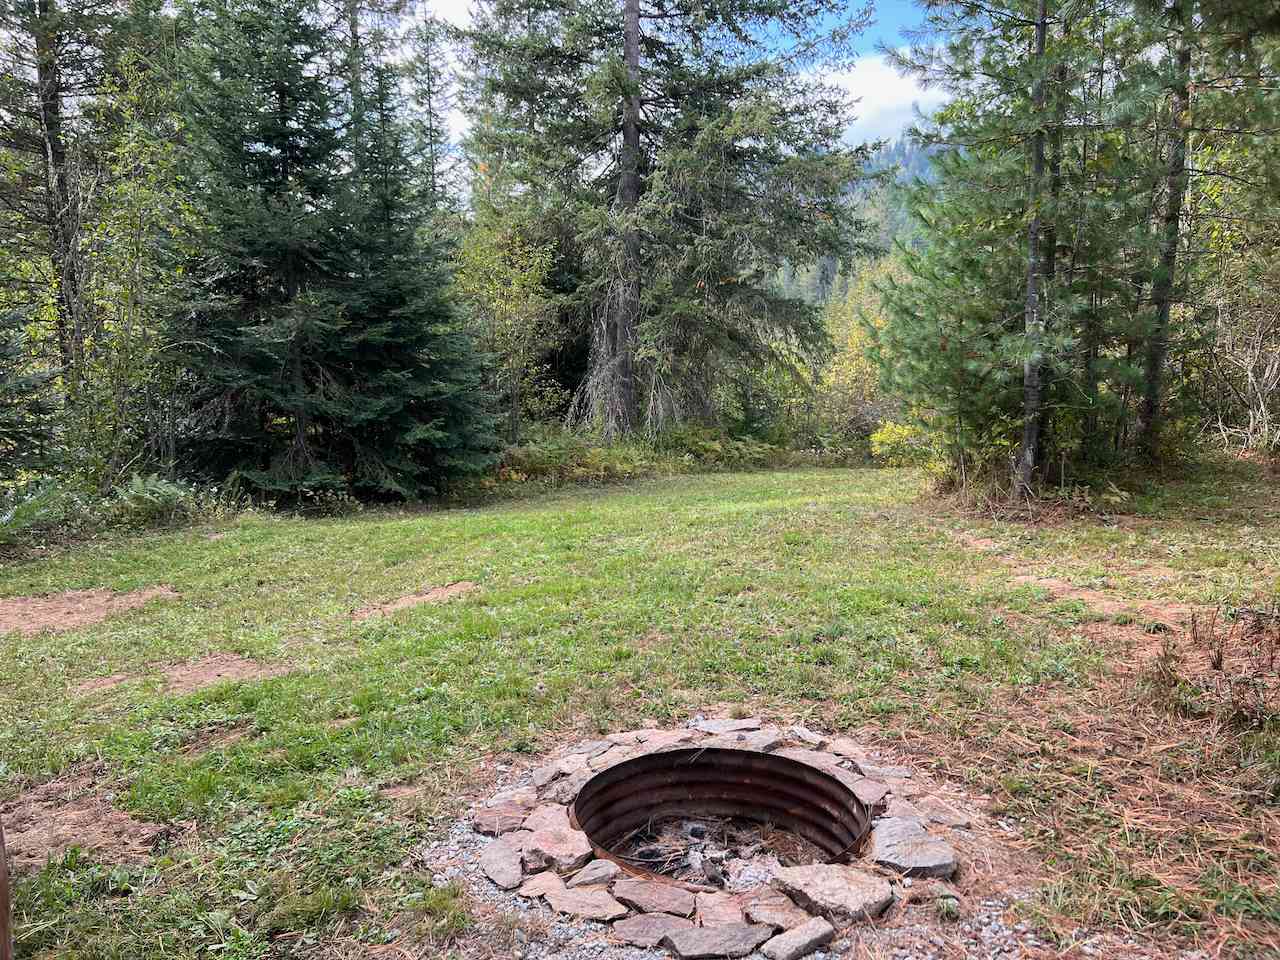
(329, 357)
(415, 412)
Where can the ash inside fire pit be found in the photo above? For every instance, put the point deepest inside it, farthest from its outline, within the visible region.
(728, 852)
(719, 817)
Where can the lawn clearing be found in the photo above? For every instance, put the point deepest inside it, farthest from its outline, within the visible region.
(292, 788)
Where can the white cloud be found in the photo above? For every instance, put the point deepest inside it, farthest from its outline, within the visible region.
(886, 100)
(457, 12)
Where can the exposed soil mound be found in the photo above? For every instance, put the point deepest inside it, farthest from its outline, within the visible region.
(44, 822)
(75, 608)
(434, 595)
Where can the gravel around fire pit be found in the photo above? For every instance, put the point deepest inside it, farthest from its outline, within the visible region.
(764, 895)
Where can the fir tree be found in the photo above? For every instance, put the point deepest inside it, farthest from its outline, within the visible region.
(415, 413)
(679, 155)
(330, 357)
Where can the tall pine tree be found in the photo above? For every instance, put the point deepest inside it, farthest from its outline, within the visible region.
(679, 155)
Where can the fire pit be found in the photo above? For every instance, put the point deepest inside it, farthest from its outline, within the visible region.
(632, 798)
(715, 839)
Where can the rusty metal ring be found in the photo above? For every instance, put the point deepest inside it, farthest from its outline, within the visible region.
(712, 781)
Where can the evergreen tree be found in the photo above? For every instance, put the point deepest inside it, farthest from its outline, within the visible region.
(415, 412)
(330, 358)
(26, 425)
(1054, 173)
(685, 153)
(433, 94)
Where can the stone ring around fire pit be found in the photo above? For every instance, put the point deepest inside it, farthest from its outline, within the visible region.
(568, 838)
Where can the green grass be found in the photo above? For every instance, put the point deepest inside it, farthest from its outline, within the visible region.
(836, 596)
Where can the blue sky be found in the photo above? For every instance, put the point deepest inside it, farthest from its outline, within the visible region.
(886, 101)
(892, 17)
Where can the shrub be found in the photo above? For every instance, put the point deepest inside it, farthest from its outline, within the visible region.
(23, 511)
(901, 445)
(152, 501)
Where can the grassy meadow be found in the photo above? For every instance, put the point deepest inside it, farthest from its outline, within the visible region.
(849, 599)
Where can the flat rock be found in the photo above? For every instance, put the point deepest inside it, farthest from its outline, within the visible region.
(517, 838)
(800, 941)
(631, 737)
(597, 871)
(713, 908)
(728, 725)
(589, 903)
(905, 846)
(904, 788)
(936, 811)
(663, 739)
(526, 797)
(652, 737)
(500, 862)
(903, 810)
(810, 738)
(566, 789)
(613, 756)
(499, 818)
(815, 758)
(591, 748)
(762, 740)
(726, 940)
(547, 815)
(869, 791)
(649, 929)
(573, 763)
(560, 848)
(849, 749)
(838, 892)
(651, 896)
(776, 909)
(541, 884)
(545, 774)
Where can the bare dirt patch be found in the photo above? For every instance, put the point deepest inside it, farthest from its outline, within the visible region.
(100, 684)
(75, 608)
(44, 822)
(221, 738)
(434, 595)
(217, 668)
(1170, 614)
(402, 791)
(193, 675)
(980, 544)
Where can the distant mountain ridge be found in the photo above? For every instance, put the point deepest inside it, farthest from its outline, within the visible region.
(911, 158)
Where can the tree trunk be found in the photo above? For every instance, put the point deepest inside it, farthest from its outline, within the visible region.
(6, 908)
(1032, 399)
(355, 82)
(1157, 346)
(624, 304)
(60, 206)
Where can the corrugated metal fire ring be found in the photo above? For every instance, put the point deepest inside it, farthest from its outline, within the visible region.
(755, 786)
